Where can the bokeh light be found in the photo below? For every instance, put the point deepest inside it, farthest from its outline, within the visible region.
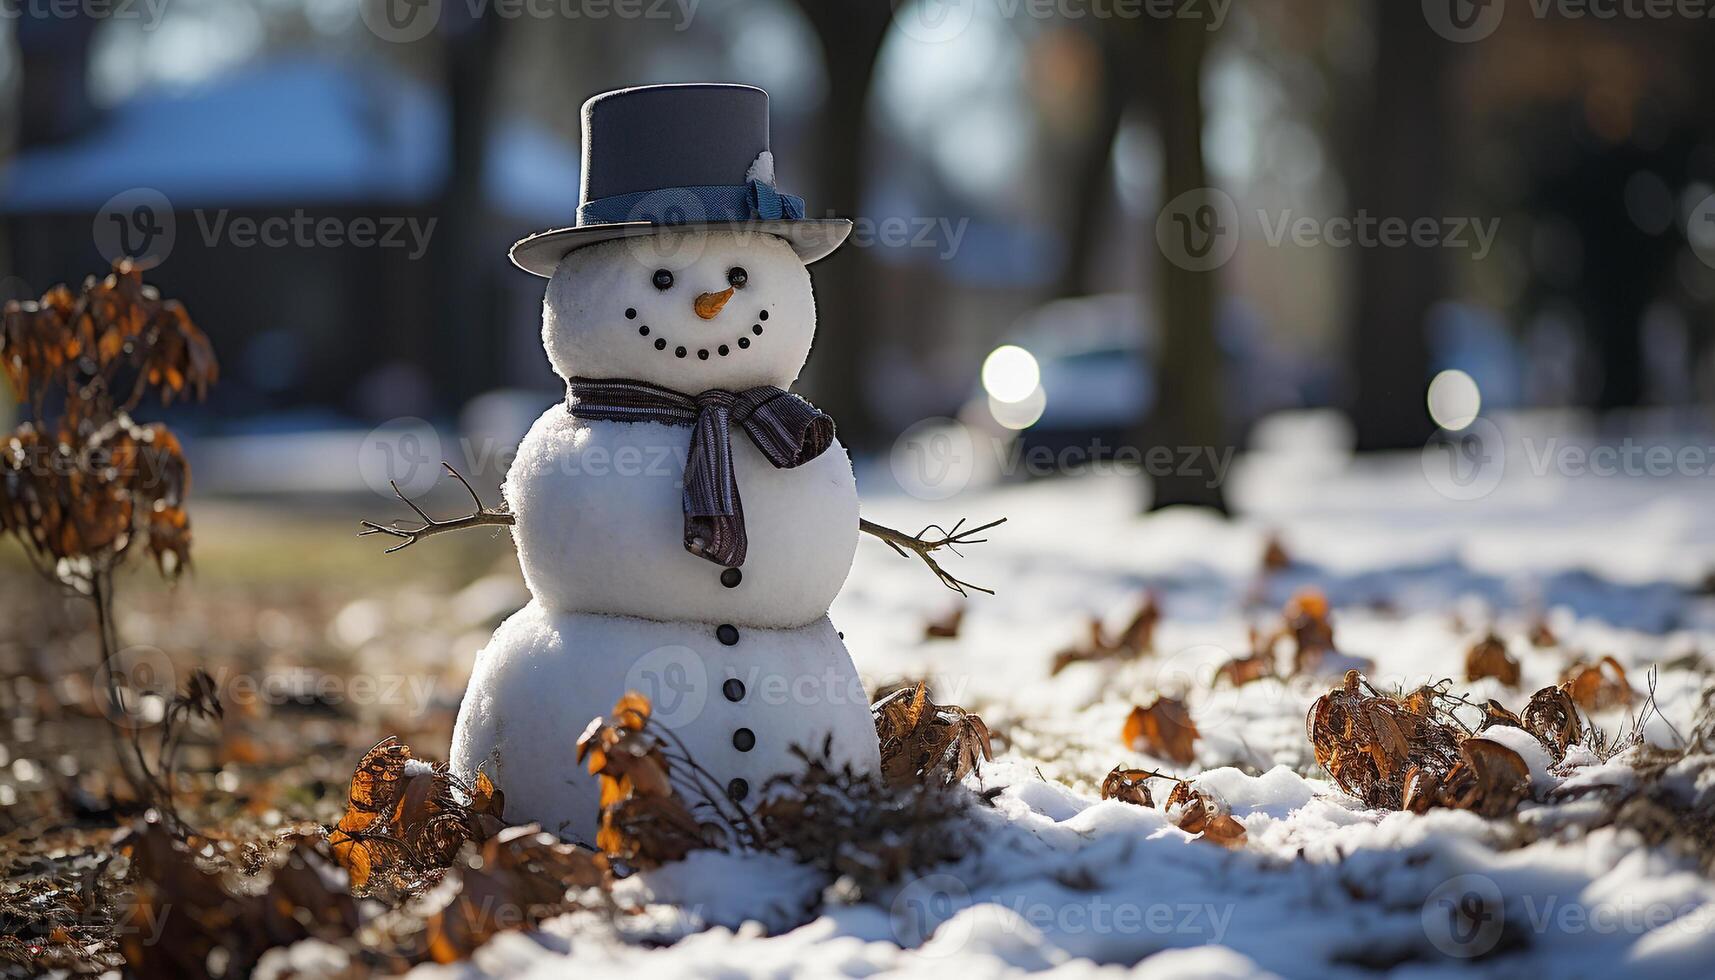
(1454, 400)
(1010, 373)
(1020, 414)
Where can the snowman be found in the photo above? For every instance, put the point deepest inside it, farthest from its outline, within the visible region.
(682, 521)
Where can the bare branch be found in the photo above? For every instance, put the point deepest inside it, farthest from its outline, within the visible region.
(480, 517)
(923, 546)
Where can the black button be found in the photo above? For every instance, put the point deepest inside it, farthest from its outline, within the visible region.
(702, 355)
(763, 314)
(731, 577)
(737, 790)
(643, 330)
(756, 328)
(680, 352)
(727, 633)
(660, 343)
(631, 314)
(733, 689)
(724, 350)
(744, 740)
(744, 341)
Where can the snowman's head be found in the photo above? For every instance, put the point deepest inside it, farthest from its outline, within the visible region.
(717, 309)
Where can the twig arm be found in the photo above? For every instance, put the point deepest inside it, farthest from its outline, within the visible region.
(480, 517)
(924, 546)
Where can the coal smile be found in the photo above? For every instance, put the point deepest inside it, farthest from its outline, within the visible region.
(723, 350)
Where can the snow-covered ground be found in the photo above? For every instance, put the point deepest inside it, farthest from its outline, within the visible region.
(1071, 885)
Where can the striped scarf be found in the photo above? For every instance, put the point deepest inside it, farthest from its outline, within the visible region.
(787, 429)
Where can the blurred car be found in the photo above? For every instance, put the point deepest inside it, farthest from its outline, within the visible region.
(1081, 373)
(1079, 370)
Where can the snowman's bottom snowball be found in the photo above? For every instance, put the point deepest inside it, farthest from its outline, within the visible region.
(545, 675)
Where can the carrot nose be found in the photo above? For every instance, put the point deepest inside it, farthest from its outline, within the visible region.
(709, 304)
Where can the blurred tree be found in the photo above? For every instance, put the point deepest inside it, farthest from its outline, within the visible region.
(1398, 162)
(850, 32)
(53, 100)
(1190, 410)
(1088, 176)
(468, 357)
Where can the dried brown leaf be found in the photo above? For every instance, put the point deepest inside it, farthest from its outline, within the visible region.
(1274, 555)
(1240, 671)
(1202, 813)
(1599, 686)
(1489, 780)
(1135, 640)
(1488, 657)
(1163, 729)
(1552, 716)
(514, 880)
(644, 823)
(922, 742)
(1369, 742)
(1128, 786)
(947, 626)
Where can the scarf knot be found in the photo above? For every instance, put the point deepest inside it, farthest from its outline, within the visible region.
(788, 431)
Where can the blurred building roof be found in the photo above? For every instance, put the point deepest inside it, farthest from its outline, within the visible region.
(299, 130)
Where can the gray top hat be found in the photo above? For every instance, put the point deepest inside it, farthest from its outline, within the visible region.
(662, 157)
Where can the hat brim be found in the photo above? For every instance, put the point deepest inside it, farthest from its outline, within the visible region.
(811, 238)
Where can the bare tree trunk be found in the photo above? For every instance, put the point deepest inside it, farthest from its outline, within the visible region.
(460, 251)
(850, 32)
(1190, 411)
(1398, 171)
(1089, 176)
(53, 99)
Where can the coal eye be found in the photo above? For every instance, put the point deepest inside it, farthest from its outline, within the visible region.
(737, 277)
(663, 279)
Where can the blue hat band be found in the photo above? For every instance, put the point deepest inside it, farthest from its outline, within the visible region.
(749, 201)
